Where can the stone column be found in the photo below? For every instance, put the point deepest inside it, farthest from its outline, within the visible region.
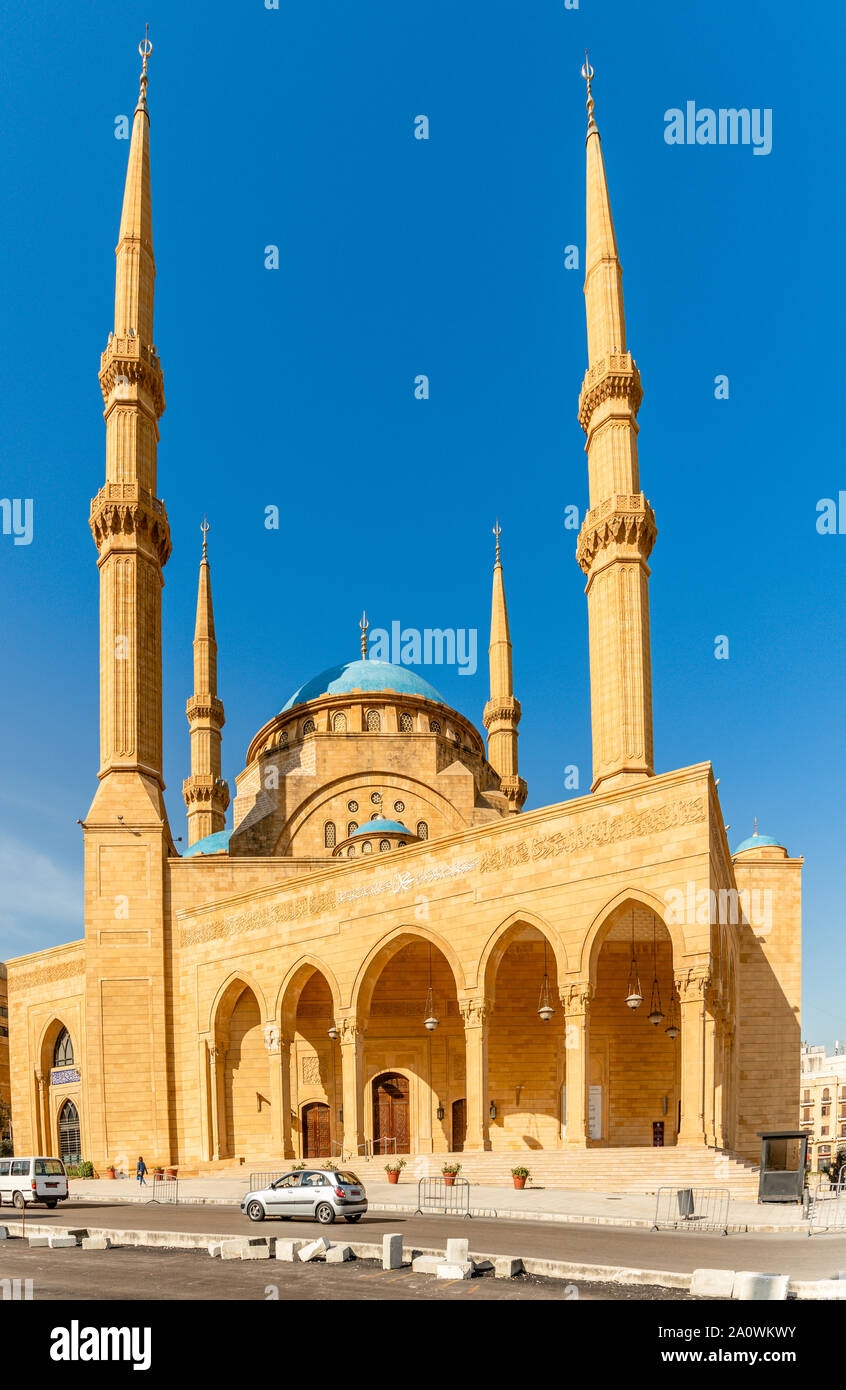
(205, 1099)
(42, 1113)
(217, 1064)
(279, 1058)
(476, 1014)
(692, 985)
(575, 1001)
(351, 1034)
(710, 1069)
(728, 1102)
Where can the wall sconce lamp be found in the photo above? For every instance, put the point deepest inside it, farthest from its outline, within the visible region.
(440, 1111)
(492, 1111)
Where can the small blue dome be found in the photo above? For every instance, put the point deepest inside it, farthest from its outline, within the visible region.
(210, 844)
(383, 827)
(363, 675)
(757, 841)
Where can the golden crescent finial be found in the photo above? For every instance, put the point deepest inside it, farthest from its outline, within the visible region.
(145, 48)
(587, 74)
(205, 530)
(497, 531)
(364, 625)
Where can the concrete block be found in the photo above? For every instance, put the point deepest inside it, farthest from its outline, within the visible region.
(337, 1254)
(38, 1242)
(4, 1232)
(96, 1243)
(289, 1249)
(215, 1247)
(507, 1266)
(463, 1270)
(62, 1242)
(313, 1250)
(457, 1251)
(750, 1286)
(819, 1290)
(256, 1252)
(232, 1249)
(392, 1251)
(712, 1283)
(426, 1264)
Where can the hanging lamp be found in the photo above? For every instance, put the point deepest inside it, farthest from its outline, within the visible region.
(546, 1008)
(634, 996)
(656, 1013)
(431, 1019)
(672, 1029)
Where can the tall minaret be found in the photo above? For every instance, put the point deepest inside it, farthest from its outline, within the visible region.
(206, 794)
(619, 531)
(502, 712)
(128, 521)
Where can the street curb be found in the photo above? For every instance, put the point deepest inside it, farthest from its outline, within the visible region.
(632, 1277)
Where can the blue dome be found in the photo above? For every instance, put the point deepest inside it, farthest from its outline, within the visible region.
(382, 827)
(363, 675)
(210, 844)
(757, 841)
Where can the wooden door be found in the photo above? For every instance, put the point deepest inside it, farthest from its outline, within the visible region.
(459, 1125)
(316, 1139)
(390, 1114)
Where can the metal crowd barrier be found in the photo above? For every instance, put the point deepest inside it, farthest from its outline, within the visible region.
(258, 1181)
(448, 1199)
(165, 1190)
(375, 1147)
(827, 1211)
(692, 1209)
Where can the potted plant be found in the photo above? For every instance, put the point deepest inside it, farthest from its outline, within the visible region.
(171, 1172)
(393, 1170)
(158, 1171)
(110, 1171)
(520, 1177)
(451, 1172)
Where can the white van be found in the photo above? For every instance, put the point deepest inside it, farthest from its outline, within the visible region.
(24, 1180)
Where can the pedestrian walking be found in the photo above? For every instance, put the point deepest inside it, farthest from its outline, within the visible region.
(140, 1170)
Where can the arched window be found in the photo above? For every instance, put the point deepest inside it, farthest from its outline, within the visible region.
(70, 1145)
(406, 724)
(350, 851)
(374, 722)
(422, 830)
(283, 739)
(367, 847)
(352, 827)
(434, 726)
(384, 844)
(308, 726)
(339, 723)
(329, 834)
(377, 815)
(63, 1051)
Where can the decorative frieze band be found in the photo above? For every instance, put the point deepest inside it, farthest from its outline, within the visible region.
(595, 834)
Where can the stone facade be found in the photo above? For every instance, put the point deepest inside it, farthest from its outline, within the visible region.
(5, 1084)
(823, 1104)
(386, 950)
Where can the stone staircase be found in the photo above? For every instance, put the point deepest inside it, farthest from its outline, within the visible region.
(638, 1170)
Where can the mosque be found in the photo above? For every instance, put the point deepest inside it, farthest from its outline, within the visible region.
(386, 953)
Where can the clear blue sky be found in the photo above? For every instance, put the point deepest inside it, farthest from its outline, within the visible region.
(444, 257)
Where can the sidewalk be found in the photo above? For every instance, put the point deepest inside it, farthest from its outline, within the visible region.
(533, 1204)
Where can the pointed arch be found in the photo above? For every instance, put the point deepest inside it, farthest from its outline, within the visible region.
(227, 995)
(603, 921)
(383, 952)
(500, 939)
(288, 994)
(50, 1034)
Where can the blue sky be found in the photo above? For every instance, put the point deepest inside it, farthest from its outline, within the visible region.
(445, 257)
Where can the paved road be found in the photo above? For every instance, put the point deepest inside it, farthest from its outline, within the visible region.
(171, 1275)
(800, 1256)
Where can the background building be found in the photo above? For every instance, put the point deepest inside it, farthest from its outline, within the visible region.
(823, 1102)
(5, 1086)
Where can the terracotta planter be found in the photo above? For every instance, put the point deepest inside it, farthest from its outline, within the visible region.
(110, 1172)
(393, 1175)
(171, 1172)
(449, 1179)
(519, 1183)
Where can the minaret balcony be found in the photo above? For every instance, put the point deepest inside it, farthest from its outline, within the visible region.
(615, 377)
(128, 362)
(122, 510)
(623, 526)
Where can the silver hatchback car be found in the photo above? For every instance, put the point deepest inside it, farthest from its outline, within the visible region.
(312, 1194)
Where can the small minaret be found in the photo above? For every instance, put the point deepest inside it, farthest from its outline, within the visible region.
(206, 794)
(502, 712)
(619, 531)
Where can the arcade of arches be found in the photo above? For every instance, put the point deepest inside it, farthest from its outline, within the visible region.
(492, 1073)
